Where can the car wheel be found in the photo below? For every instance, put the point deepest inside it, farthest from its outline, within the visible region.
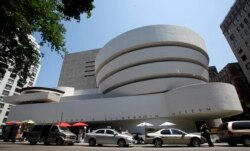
(59, 142)
(195, 142)
(246, 141)
(121, 143)
(33, 142)
(158, 142)
(232, 143)
(92, 142)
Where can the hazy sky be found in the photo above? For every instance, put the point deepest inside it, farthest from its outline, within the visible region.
(113, 17)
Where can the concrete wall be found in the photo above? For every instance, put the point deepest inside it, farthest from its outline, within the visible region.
(195, 102)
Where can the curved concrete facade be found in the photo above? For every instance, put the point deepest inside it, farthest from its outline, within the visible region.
(148, 55)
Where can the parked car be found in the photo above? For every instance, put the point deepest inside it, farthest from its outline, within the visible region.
(235, 132)
(9, 133)
(51, 134)
(173, 136)
(108, 136)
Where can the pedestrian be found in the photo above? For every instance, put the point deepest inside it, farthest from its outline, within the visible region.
(120, 130)
(206, 134)
(14, 129)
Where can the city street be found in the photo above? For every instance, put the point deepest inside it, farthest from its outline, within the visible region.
(24, 146)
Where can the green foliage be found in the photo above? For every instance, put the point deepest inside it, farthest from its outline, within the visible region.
(21, 18)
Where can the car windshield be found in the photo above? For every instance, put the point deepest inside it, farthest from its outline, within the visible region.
(64, 128)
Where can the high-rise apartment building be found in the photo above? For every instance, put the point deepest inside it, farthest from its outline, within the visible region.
(236, 28)
(10, 84)
(78, 70)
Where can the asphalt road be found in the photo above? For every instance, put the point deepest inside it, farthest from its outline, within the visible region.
(24, 146)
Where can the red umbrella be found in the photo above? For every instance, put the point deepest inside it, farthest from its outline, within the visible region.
(79, 124)
(63, 124)
(13, 122)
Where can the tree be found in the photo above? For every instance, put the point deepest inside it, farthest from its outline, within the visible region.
(19, 19)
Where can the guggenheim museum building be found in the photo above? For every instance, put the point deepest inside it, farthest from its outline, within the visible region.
(153, 74)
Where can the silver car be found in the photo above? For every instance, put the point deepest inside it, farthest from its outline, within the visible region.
(235, 132)
(108, 136)
(173, 136)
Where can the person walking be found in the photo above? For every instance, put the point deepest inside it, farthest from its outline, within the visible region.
(206, 134)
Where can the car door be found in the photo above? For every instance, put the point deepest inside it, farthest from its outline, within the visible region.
(166, 136)
(110, 137)
(179, 136)
(100, 136)
(53, 134)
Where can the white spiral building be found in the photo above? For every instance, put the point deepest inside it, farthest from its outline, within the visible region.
(151, 59)
(155, 73)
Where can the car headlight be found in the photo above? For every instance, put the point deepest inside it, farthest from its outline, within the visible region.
(130, 138)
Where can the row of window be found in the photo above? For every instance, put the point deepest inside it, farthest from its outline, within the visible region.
(234, 16)
(91, 66)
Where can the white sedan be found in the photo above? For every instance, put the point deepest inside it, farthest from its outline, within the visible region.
(173, 136)
(108, 136)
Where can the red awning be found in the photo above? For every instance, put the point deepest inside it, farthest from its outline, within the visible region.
(80, 124)
(13, 122)
(64, 124)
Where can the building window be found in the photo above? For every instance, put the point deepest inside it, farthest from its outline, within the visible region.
(30, 83)
(1, 105)
(34, 70)
(10, 81)
(239, 50)
(8, 87)
(248, 66)
(18, 90)
(4, 120)
(7, 113)
(90, 61)
(244, 58)
(5, 92)
(13, 75)
(2, 72)
(89, 70)
(20, 83)
(232, 37)
(241, 25)
(32, 79)
(238, 29)
(89, 75)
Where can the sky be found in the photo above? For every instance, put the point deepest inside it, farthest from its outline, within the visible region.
(111, 18)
